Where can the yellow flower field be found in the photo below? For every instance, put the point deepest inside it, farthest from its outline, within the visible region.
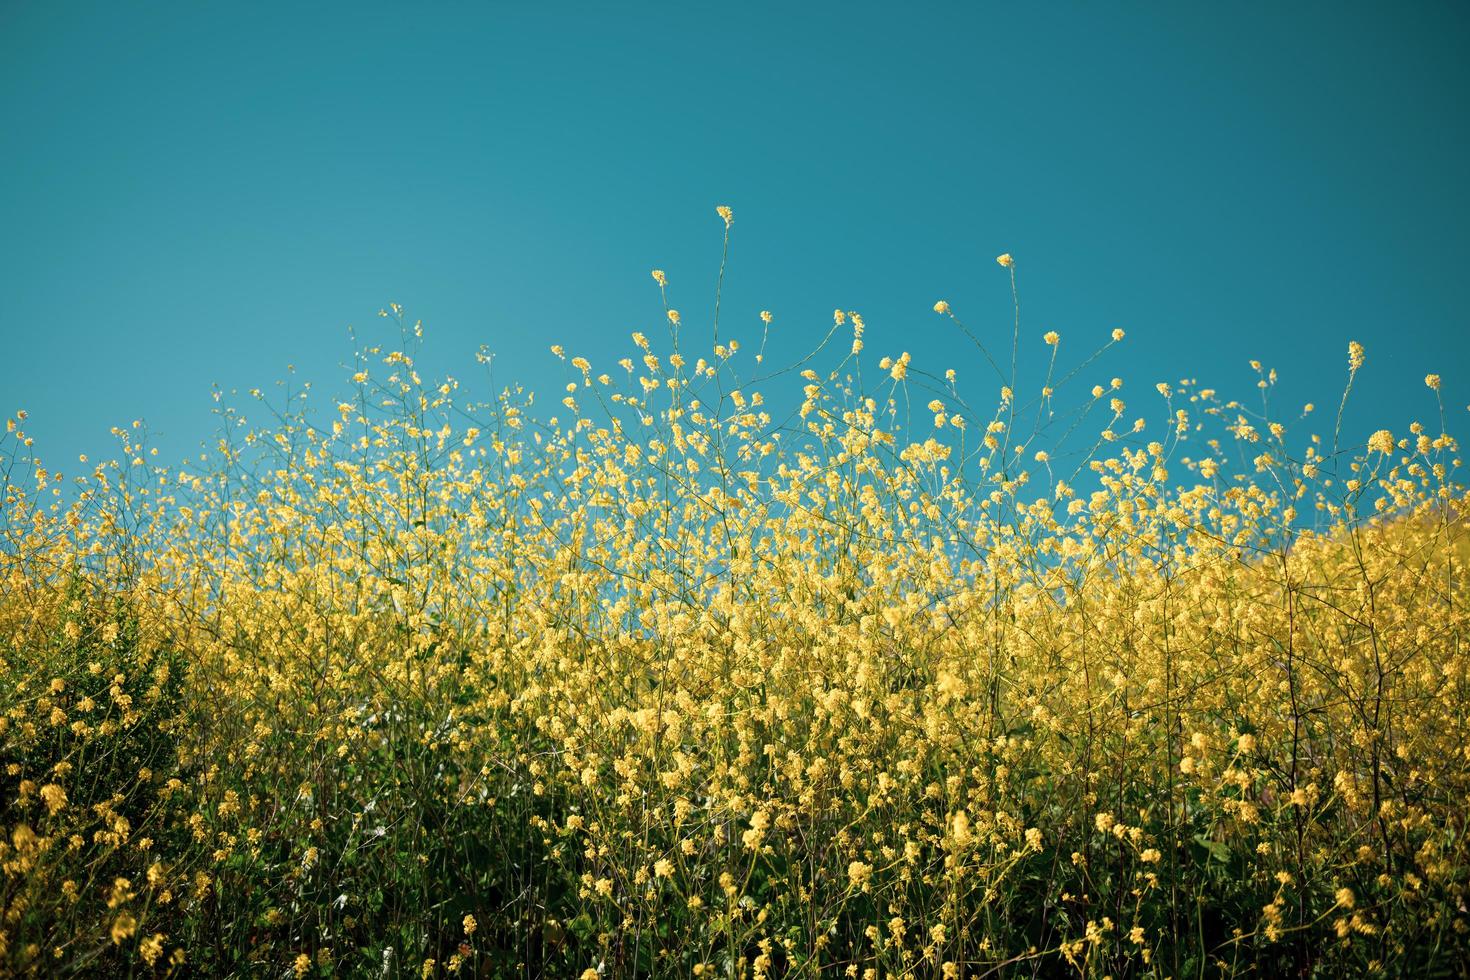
(660, 680)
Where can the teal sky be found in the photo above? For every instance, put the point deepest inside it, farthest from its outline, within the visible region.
(206, 192)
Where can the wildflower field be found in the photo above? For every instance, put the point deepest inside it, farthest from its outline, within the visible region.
(923, 674)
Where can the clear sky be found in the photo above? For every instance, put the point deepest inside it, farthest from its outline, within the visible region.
(205, 192)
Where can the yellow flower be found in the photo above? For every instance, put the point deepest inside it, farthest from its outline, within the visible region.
(1381, 441)
(765, 316)
(1432, 380)
(1355, 355)
(660, 278)
(151, 948)
(1052, 337)
(941, 307)
(1005, 260)
(123, 928)
(55, 798)
(1118, 333)
(725, 213)
(470, 925)
(674, 317)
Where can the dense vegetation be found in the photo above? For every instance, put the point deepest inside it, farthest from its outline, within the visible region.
(667, 686)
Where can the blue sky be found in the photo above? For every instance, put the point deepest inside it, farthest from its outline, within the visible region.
(203, 193)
